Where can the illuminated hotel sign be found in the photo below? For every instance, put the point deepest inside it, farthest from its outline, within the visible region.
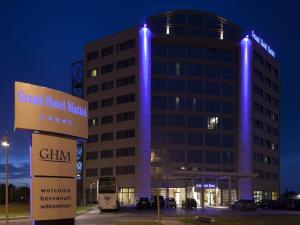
(263, 44)
(44, 109)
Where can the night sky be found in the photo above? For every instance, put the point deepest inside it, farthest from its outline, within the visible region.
(40, 39)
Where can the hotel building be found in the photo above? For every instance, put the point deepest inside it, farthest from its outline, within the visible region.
(185, 104)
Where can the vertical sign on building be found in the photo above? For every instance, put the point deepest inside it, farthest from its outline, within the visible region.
(58, 119)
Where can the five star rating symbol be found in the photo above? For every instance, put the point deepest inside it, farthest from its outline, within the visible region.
(56, 119)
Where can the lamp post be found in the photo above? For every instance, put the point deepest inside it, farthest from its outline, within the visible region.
(5, 144)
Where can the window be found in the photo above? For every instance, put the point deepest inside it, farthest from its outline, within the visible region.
(258, 124)
(120, 152)
(125, 98)
(212, 72)
(107, 119)
(107, 68)
(176, 51)
(268, 81)
(125, 81)
(125, 134)
(125, 45)
(125, 63)
(159, 50)
(92, 55)
(259, 108)
(107, 51)
(274, 116)
(228, 56)
(212, 106)
(194, 52)
(212, 140)
(195, 87)
(107, 102)
(274, 162)
(92, 73)
(258, 75)
(92, 155)
(93, 138)
(228, 107)
(93, 122)
(212, 54)
(158, 137)
(176, 103)
(228, 141)
(212, 122)
(107, 154)
(92, 89)
(176, 69)
(212, 88)
(258, 91)
(228, 123)
(267, 175)
(195, 104)
(194, 69)
(195, 121)
(106, 171)
(107, 85)
(258, 141)
(228, 90)
(93, 105)
(176, 85)
(92, 172)
(122, 170)
(195, 138)
(194, 156)
(274, 176)
(258, 58)
(228, 158)
(126, 116)
(107, 136)
(159, 85)
(212, 157)
(228, 73)
(159, 67)
(177, 155)
(275, 86)
(159, 102)
(158, 119)
(176, 138)
(176, 120)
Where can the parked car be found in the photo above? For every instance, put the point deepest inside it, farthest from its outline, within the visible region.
(143, 203)
(170, 203)
(190, 203)
(243, 204)
(161, 201)
(266, 204)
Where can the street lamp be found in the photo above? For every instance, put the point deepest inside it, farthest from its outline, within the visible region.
(5, 144)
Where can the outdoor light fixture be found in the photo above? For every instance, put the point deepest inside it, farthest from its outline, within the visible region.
(5, 144)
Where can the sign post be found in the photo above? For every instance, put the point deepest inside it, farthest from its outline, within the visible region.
(58, 119)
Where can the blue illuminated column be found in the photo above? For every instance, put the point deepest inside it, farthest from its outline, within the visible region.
(144, 162)
(245, 130)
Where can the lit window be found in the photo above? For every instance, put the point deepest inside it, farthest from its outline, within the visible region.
(94, 73)
(177, 68)
(168, 29)
(273, 146)
(194, 103)
(177, 102)
(212, 122)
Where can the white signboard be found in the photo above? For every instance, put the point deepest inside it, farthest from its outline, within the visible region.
(53, 156)
(53, 198)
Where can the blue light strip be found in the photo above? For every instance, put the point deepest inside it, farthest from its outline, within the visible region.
(144, 164)
(245, 154)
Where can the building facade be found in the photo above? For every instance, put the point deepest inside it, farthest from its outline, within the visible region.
(183, 105)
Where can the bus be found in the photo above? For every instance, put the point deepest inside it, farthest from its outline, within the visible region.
(107, 194)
